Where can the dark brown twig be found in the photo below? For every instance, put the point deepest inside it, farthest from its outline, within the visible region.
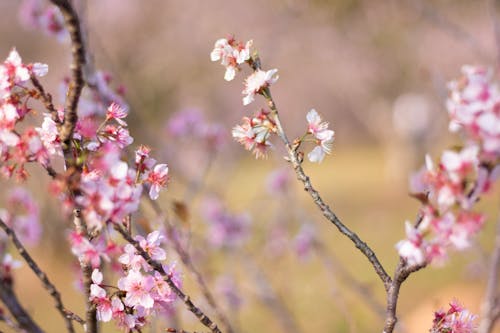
(77, 82)
(24, 320)
(202, 317)
(46, 99)
(49, 286)
(294, 159)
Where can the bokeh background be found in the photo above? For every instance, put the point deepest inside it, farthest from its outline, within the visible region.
(376, 70)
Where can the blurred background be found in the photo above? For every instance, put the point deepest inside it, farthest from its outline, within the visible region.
(376, 70)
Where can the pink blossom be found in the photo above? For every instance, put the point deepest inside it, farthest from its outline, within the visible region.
(255, 133)
(117, 112)
(50, 136)
(410, 249)
(138, 288)
(151, 245)
(456, 319)
(231, 54)
(256, 82)
(323, 136)
(157, 178)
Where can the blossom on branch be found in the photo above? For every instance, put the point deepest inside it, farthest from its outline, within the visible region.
(322, 135)
(231, 53)
(255, 132)
(456, 319)
(257, 82)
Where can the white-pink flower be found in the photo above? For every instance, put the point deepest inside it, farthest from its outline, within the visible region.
(151, 245)
(231, 54)
(117, 112)
(50, 136)
(324, 137)
(138, 288)
(256, 82)
(157, 178)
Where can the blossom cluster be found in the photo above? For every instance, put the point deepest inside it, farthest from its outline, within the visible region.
(140, 291)
(474, 108)
(22, 216)
(18, 146)
(232, 54)
(450, 189)
(254, 134)
(456, 319)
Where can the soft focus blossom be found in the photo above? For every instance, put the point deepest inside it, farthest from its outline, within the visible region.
(226, 229)
(456, 319)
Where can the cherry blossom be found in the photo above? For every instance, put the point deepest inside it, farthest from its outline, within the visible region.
(231, 54)
(323, 136)
(256, 82)
(157, 179)
(456, 319)
(254, 134)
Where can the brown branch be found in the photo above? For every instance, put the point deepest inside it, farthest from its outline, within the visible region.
(188, 262)
(49, 286)
(91, 311)
(296, 162)
(173, 330)
(46, 99)
(490, 309)
(77, 82)
(10, 322)
(22, 317)
(400, 275)
(204, 319)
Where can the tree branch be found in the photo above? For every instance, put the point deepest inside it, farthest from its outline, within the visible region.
(22, 317)
(204, 319)
(296, 162)
(77, 82)
(49, 286)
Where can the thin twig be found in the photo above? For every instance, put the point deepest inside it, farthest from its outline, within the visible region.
(202, 317)
(49, 286)
(46, 99)
(294, 159)
(77, 82)
(490, 309)
(22, 317)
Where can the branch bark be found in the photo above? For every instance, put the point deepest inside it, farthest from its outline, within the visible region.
(49, 286)
(77, 82)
